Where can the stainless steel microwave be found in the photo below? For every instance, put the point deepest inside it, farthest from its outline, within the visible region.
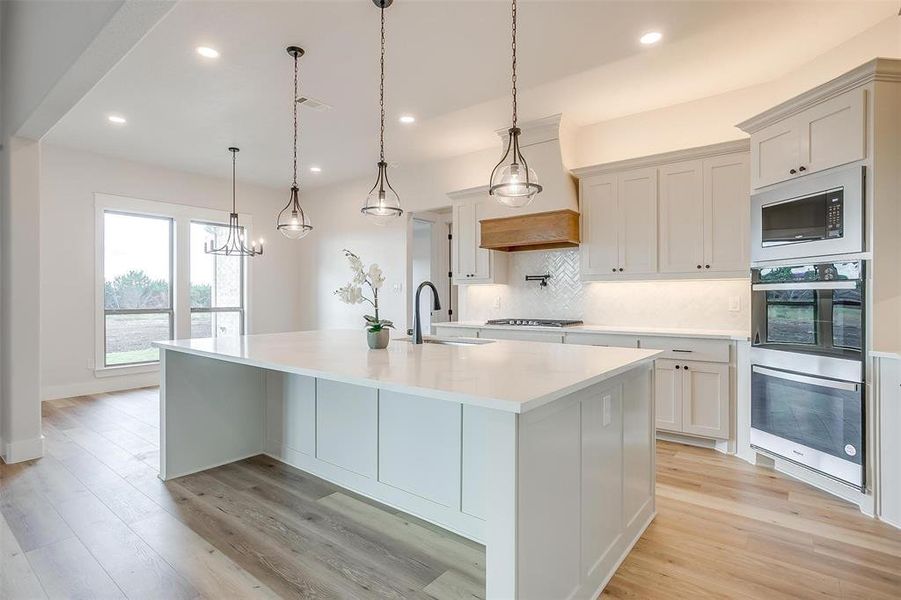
(816, 216)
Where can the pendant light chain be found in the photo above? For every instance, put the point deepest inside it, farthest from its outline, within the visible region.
(294, 104)
(382, 93)
(234, 171)
(513, 46)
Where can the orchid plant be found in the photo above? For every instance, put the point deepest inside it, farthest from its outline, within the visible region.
(353, 293)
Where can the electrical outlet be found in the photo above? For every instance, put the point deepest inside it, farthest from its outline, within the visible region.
(398, 288)
(608, 410)
(497, 302)
(734, 303)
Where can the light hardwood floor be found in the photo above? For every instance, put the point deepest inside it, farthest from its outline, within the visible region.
(92, 520)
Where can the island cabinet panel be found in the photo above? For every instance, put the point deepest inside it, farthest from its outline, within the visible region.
(291, 411)
(475, 449)
(638, 454)
(347, 426)
(420, 445)
(602, 477)
(550, 453)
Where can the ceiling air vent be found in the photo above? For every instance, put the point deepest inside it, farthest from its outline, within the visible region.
(313, 104)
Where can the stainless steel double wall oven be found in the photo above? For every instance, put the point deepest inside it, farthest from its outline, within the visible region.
(808, 324)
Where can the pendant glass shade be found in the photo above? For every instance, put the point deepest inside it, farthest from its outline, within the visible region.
(382, 204)
(293, 223)
(512, 181)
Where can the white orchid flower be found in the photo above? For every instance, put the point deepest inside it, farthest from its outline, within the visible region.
(375, 276)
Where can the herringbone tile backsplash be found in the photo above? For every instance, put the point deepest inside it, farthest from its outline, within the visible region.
(700, 304)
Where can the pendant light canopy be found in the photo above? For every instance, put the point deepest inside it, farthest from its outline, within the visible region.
(292, 221)
(234, 243)
(382, 204)
(513, 183)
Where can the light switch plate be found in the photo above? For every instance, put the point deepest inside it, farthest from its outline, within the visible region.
(608, 410)
(734, 303)
(497, 302)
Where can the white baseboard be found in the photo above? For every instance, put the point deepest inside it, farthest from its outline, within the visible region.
(100, 386)
(688, 440)
(21, 450)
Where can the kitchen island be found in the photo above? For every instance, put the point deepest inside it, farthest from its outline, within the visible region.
(543, 452)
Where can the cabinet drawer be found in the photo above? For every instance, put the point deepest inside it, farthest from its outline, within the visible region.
(525, 336)
(456, 331)
(602, 339)
(687, 348)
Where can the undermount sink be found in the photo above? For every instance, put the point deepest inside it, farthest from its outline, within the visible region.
(461, 341)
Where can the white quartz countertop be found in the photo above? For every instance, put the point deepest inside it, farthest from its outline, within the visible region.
(504, 375)
(715, 334)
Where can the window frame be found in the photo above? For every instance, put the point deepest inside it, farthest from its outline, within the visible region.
(180, 287)
(139, 311)
(241, 309)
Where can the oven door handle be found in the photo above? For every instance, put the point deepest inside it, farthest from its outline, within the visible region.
(828, 383)
(806, 285)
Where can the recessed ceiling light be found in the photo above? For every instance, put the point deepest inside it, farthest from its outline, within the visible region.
(118, 120)
(651, 37)
(407, 119)
(207, 52)
(315, 169)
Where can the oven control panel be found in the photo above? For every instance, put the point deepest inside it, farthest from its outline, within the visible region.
(834, 221)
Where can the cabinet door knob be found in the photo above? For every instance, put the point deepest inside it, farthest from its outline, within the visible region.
(802, 169)
(699, 266)
(685, 367)
(678, 367)
(614, 269)
(706, 266)
(620, 268)
(793, 171)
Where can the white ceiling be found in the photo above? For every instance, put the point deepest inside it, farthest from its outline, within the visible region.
(448, 64)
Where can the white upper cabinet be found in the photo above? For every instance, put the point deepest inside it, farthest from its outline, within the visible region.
(727, 210)
(469, 262)
(828, 134)
(600, 227)
(681, 239)
(638, 222)
(834, 132)
(619, 224)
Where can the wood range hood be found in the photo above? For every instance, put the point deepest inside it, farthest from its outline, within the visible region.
(536, 231)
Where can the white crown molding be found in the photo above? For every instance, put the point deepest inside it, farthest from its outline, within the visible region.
(654, 160)
(537, 131)
(878, 69)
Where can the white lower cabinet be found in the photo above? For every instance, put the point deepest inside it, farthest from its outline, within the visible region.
(692, 397)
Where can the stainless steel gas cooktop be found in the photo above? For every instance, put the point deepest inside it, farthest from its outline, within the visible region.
(535, 322)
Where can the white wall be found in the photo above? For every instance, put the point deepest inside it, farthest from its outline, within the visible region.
(69, 179)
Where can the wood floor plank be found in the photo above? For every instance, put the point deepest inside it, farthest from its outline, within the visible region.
(67, 570)
(17, 579)
(32, 519)
(211, 572)
(452, 585)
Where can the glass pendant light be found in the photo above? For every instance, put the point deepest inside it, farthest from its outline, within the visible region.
(513, 183)
(382, 204)
(234, 243)
(292, 221)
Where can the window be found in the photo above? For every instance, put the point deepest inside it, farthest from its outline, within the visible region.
(217, 285)
(137, 287)
(155, 282)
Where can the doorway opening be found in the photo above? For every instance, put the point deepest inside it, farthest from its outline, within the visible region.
(429, 259)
